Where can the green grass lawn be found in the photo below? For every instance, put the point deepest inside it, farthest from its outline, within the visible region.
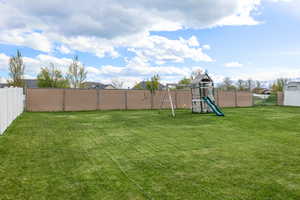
(252, 153)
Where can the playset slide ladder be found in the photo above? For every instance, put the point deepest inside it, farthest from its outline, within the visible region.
(213, 106)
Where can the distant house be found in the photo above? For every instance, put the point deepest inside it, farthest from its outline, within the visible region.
(261, 91)
(31, 83)
(3, 85)
(267, 91)
(143, 86)
(97, 85)
(28, 83)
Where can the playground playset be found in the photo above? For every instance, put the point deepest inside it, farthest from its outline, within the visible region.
(202, 90)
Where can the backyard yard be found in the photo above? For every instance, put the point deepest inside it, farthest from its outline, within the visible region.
(251, 153)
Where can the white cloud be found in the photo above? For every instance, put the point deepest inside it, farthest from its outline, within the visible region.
(267, 75)
(4, 59)
(129, 17)
(33, 40)
(244, 8)
(162, 50)
(63, 49)
(105, 70)
(129, 81)
(206, 47)
(192, 41)
(33, 65)
(3, 80)
(101, 26)
(281, 0)
(99, 47)
(136, 69)
(233, 64)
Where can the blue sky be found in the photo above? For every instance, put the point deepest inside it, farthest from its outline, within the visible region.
(256, 39)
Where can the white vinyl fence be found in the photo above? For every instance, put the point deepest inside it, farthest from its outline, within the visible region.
(292, 94)
(11, 106)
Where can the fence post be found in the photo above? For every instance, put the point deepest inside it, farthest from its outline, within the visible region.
(26, 99)
(235, 98)
(64, 100)
(151, 95)
(7, 107)
(280, 98)
(98, 99)
(126, 104)
(176, 103)
(218, 99)
(252, 99)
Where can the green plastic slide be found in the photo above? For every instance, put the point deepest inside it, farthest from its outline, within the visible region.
(213, 106)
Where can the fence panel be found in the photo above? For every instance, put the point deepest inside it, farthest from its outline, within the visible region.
(112, 99)
(244, 99)
(227, 99)
(11, 106)
(45, 100)
(183, 99)
(161, 99)
(138, 99)
(290, 97)
(80, 99)
(91, 99)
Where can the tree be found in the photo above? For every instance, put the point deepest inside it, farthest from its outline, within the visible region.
(258, 84)
(76, 74)
(241, 85)
(138, 86)
(227, 84)
(279, 84)
(250, 84)
(51, 78)
(16, 70)
(153, 84)
(184, 81)
(117, 83)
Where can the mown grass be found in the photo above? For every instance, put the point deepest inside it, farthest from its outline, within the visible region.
(252, 153)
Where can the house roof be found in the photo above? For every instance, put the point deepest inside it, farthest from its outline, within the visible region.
(31, 83)
(98, 85)
(2, 85)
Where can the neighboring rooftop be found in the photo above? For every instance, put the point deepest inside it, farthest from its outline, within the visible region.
(97, 85)
(31, 83)
(3, 85)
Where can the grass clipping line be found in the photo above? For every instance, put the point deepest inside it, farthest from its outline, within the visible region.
(128, 177)
(140, 188)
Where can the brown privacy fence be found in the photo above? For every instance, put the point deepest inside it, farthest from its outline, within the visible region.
(41, 99)
(280, 98)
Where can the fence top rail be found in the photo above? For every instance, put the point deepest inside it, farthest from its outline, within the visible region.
(144, 90)
(100, 89)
